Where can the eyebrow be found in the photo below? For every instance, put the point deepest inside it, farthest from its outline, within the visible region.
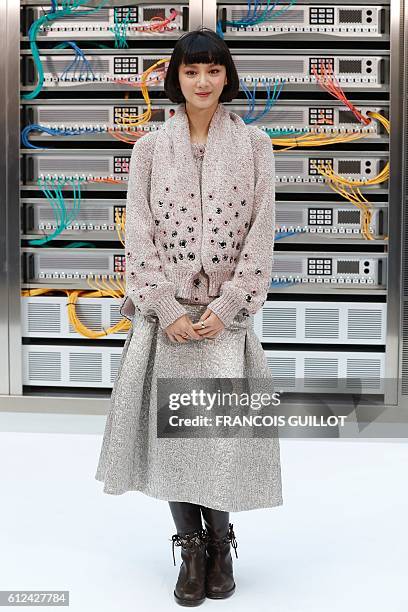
(198, 64)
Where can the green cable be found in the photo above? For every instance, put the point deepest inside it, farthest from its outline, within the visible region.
(33, 43)
(75, 245)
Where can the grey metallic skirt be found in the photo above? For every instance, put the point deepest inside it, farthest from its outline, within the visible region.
(230, 474)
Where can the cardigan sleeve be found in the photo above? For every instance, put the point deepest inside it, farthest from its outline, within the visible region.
(248, 288)
(146, 283)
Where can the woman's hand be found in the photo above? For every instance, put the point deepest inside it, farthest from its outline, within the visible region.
(182, 330)
(213, 325)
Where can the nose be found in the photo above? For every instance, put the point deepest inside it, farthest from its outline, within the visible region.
(202, 80)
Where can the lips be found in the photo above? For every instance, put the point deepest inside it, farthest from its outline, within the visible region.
(204, 95)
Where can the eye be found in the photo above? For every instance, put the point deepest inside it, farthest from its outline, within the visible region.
(215, 70)
(190, 71)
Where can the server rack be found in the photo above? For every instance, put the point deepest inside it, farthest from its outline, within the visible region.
(13, 395)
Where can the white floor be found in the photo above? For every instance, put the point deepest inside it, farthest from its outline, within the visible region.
(339, 542)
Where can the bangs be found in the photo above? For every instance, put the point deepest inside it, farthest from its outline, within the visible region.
(203, 50)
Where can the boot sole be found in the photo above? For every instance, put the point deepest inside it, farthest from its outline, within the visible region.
(188, 602)
(223, 595)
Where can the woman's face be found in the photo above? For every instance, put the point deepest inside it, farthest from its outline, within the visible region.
(196, 78)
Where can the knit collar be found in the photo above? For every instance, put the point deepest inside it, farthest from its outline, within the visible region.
(220, 151)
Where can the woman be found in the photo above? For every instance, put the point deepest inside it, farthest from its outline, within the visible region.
(199, 233)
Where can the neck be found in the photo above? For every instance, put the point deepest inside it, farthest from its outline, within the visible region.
(199, 120)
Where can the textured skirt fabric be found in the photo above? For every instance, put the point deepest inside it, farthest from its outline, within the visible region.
(230, 474)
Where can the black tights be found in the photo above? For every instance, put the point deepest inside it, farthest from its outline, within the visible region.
(187, 517)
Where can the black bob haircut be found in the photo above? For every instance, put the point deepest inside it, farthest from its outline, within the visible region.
(201, 46)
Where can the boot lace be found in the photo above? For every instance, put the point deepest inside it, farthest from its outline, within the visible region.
(229, 538)
(189, 540)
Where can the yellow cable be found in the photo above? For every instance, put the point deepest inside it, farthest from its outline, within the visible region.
(72, 298)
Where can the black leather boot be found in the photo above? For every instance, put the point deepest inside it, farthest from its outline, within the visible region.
(190, 586)
(219, 570)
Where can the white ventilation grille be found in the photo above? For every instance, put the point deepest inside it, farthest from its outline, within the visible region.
(44, 367)
(85, 368)
(71, 366)
(327, 371)
(321, 322)
(47, 317)
(364, 323)
(279, 323)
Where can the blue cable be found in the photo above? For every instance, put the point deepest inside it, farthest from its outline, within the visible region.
(53, 132)
(254, 19)
(269, 102)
